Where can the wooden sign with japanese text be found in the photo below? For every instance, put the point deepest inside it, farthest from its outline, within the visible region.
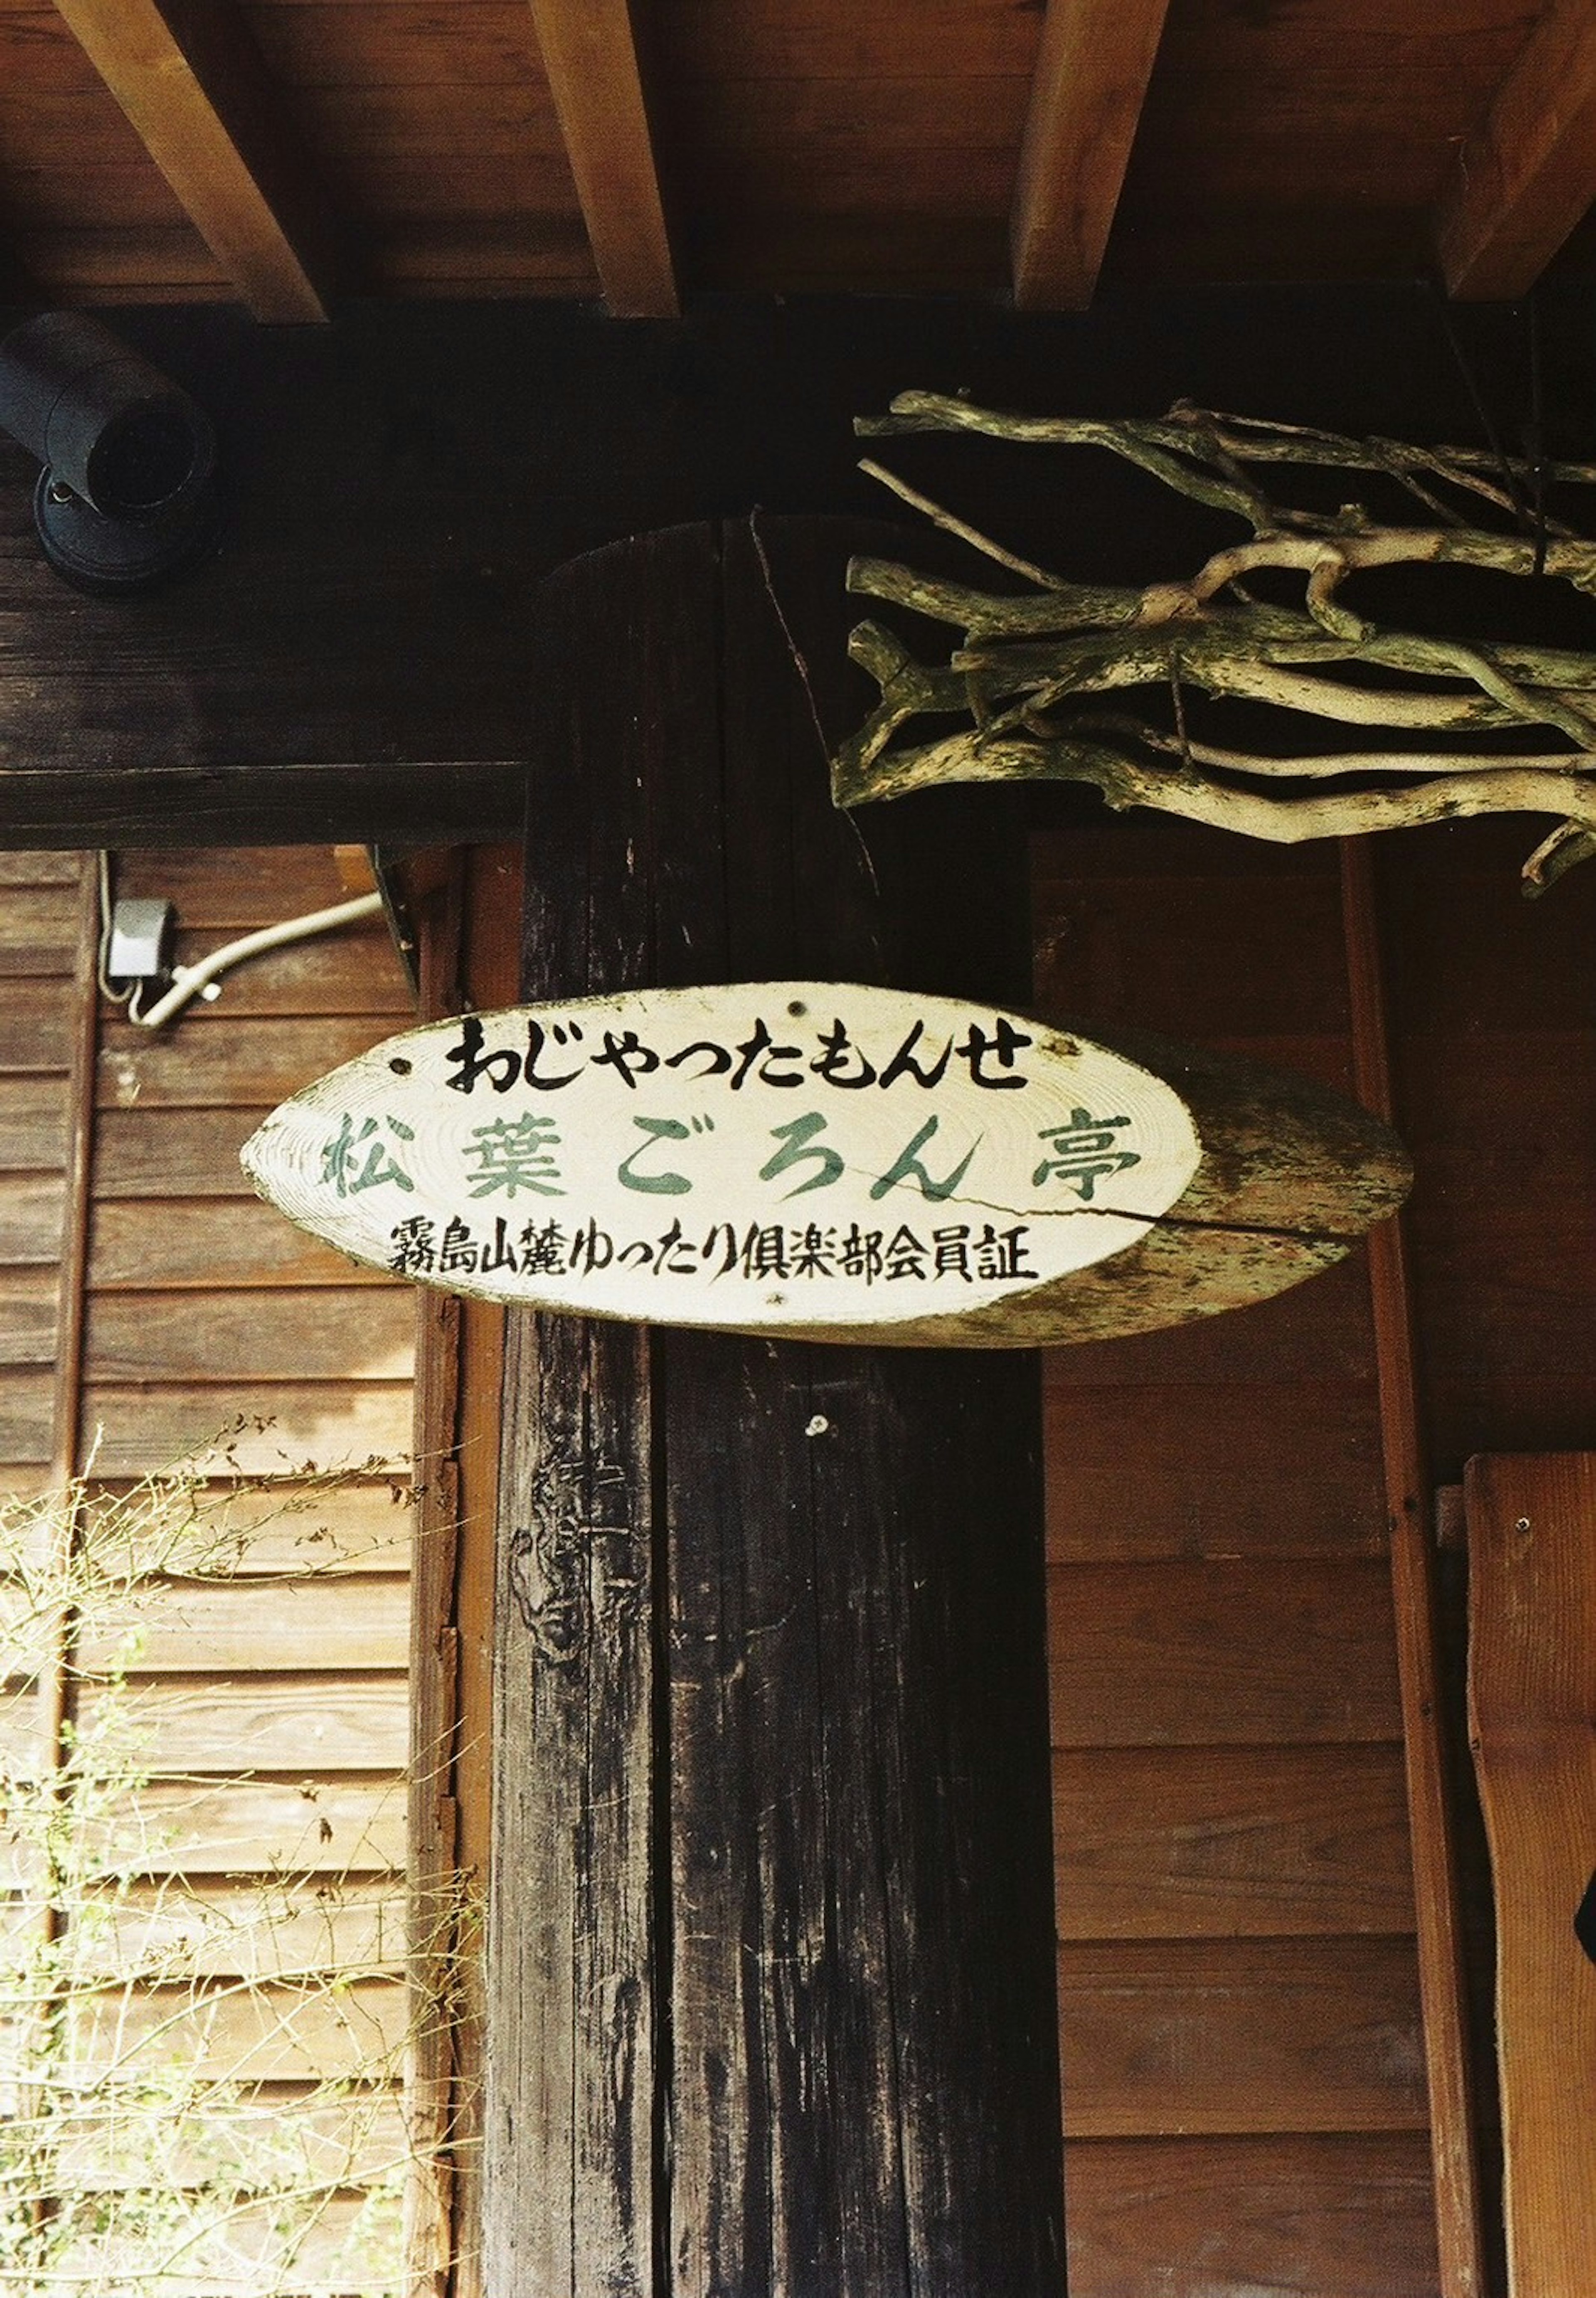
(795, 1157)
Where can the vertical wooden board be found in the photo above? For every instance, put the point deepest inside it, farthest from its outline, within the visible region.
(570, 2176)
(1225, 2217)
(570, 2108)
(755, 2001)
(811, 2126)
(912, 1510)
(486, 970)
(1435, 1880)
(1532, 1690)
(954, 1571)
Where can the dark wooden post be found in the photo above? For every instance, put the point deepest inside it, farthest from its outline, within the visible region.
(771, 1949)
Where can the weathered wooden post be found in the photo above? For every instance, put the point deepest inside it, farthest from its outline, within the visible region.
(771, 1941)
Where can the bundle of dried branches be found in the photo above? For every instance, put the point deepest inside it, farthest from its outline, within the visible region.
(1033, 662)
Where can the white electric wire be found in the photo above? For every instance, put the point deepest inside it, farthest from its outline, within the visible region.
(115, 996)
(188, 980)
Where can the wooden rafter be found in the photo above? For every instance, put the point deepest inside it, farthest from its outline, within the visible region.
(589, 55)
(1527, 174)
(1091, 76)
(190, 78)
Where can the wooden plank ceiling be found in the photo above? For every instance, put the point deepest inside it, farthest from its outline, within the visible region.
(283, 153)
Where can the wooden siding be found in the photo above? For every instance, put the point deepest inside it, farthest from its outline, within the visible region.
(275, 1709)
(1241, 2036)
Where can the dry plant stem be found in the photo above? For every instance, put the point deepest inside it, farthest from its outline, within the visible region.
(1187, 430)
(983, 616)
(1126, 781)
(1029, 660)
(135, 2159)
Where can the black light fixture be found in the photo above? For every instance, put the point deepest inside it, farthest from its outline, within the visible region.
(126, 496)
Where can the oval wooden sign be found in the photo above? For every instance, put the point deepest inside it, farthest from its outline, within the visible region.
(824, 1161)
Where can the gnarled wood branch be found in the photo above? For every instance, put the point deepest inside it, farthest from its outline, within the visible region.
(1031, 661)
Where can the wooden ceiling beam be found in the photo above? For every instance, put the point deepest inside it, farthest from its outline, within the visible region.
(589, 54)
(1527, 174)
(1091, 76)
(191, 81)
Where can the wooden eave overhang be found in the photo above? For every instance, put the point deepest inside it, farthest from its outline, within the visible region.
(283, 154)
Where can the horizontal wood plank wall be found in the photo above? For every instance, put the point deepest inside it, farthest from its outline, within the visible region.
(1493, 1047)
(215, 1331)
(1245, 2105)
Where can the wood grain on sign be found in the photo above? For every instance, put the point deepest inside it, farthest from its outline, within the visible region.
(1531, 1694)
(828, 1161)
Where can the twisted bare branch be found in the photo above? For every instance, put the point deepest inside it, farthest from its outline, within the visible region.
(1032, 661)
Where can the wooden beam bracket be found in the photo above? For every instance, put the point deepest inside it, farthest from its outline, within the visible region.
(1091, 77)
(189, 77)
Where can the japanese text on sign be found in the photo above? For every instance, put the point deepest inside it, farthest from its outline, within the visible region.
(793, 1154)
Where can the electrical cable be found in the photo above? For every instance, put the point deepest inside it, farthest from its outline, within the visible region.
(189, 980)
(115, 997)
